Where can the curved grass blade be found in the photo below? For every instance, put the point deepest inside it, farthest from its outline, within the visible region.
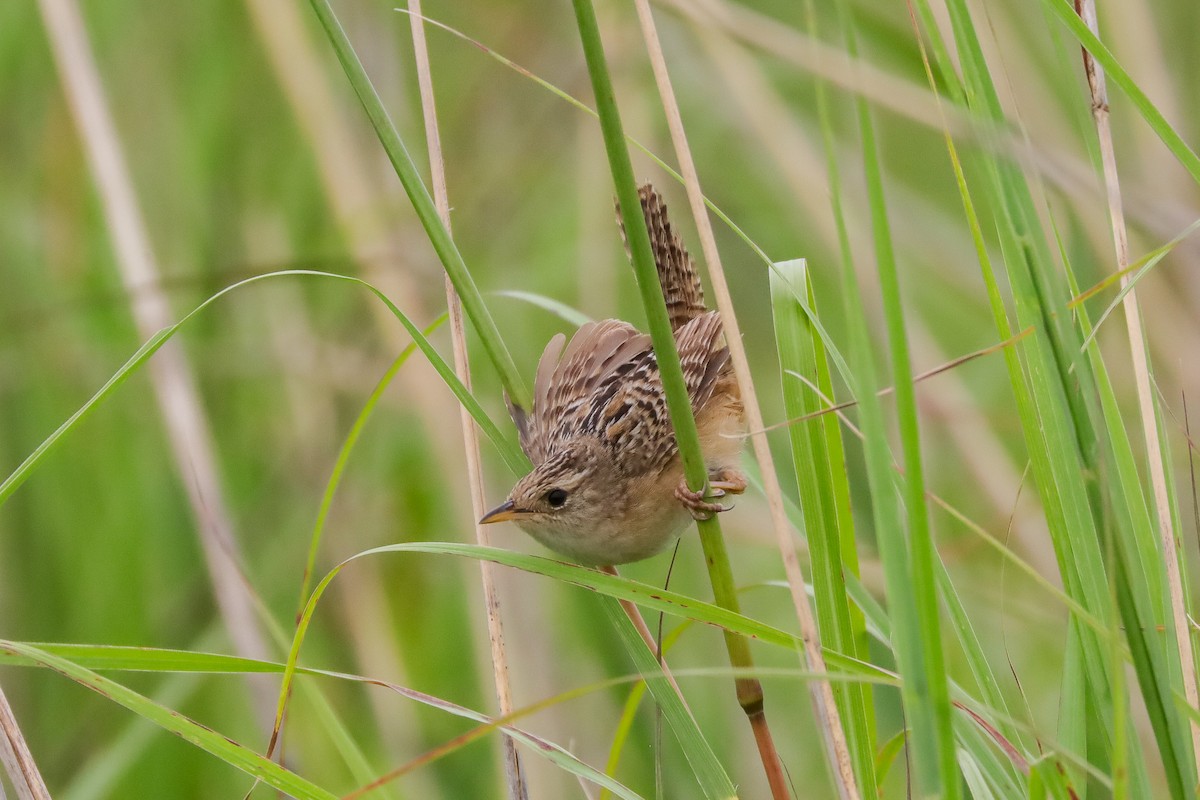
(343, 457)
(508, 450)
(189, 730)
(559, 309)
(422, 202)
(828, 526)
(1066, 14)
(146, 659)
(699, 753)
(902, 518)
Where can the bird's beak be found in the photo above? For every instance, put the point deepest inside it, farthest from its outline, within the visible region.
(500, 513)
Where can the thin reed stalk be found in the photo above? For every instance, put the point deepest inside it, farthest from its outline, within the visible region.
(821, 691)
(749, 690)
(358, 204)
(1139, 352)
(514, 774)
(170, 373)
(652, 644)
(423, 205)
(16, 759)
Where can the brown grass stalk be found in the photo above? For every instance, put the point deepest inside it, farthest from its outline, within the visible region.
(1141, 369)
(355, 198)
(821, 690)
(171, 374)
(639, 622)
(16, 759)
(514, 774)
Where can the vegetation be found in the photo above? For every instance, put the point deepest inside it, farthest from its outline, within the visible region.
(237, 493)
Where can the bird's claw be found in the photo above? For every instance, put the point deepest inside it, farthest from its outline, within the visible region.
(697, 506)
(727, 480)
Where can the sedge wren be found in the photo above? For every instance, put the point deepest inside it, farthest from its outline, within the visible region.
(607, 485)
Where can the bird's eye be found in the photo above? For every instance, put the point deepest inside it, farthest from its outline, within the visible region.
(556, 497)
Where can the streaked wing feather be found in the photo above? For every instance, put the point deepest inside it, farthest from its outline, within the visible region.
(564, 385)
(530, 431)
(628, 410)
(605, 382)
(703, 361)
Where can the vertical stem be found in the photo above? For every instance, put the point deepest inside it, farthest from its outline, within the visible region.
(514, 775)
(906, 544)
(822, 693)
(749, 690)
(1141, 370)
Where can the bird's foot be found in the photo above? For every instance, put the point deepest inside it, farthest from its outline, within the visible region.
(728, 480)
(697, 506)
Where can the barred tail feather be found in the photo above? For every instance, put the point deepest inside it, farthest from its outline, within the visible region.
(676, 270)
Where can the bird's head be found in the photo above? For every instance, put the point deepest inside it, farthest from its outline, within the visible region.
(566, 492)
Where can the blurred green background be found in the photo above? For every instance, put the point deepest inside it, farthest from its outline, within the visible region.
(249, 153)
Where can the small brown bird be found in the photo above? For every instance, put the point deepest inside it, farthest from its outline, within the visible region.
(607, 485)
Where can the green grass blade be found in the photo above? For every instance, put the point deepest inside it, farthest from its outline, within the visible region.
(423, 204)
(906, 547)
(645, 595)
(1065, 12)
(1141, 585)
(822, 482)
(86, 658)
(508, 449)
(565, 312)
(714, 781)
(716, 556)
(1054, 391)
(26, 467)
(343, 457)
(206, 739)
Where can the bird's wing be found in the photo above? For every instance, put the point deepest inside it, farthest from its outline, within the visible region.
(568, 379)
(529, 432)
(703, 358)
(628, 409)
(676, 270)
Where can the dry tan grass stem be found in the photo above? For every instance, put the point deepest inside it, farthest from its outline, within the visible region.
(515, 778)
(16, 759)
(1141, 370)
(821, 690)
(355, 198)
(170, 372)
(635, 616)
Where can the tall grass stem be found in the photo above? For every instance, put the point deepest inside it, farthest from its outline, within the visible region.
(16, 759)
(514, 775)
(749, 690)
(1171, 552)
(822, 693)
(423, 205)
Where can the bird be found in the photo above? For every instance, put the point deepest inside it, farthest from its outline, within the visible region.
(607, 485)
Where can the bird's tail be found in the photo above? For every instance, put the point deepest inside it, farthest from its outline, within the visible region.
(676, 270)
